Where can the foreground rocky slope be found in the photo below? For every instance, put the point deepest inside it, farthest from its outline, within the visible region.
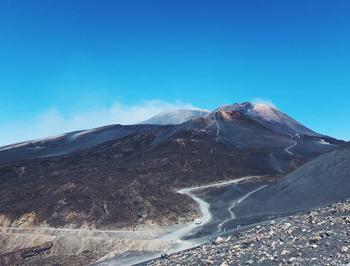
(319, 237)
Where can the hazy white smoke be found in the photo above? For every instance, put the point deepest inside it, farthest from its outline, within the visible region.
(264, 101)
(53, 122)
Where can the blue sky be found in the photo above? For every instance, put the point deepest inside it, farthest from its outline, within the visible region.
(66, 65)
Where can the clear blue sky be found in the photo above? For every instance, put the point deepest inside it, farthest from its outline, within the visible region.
(70, 57)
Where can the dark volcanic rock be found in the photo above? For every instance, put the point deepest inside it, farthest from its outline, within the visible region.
(67, 143)
(19, 257)
(132, 180)
(319, 237)
(321, 181)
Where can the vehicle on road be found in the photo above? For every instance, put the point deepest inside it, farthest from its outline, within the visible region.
(197, 221)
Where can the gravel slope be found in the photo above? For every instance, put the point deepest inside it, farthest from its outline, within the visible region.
(322, 181)
(320, 237)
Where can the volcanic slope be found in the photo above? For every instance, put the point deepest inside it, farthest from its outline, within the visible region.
(131, 181)
(269, 116)
(66, 143)
(321, 181)
(84, 139)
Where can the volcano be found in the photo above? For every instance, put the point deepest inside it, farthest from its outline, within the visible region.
(130, 179)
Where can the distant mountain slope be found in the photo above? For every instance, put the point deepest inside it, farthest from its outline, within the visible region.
(238, 129)
(237, 134)
(175, 117)
(132, 180)
(66, 143)
(85, 139)
(323, 180)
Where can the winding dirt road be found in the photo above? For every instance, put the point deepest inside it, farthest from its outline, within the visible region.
(204, 207)
(287, 150)
(176, 236)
